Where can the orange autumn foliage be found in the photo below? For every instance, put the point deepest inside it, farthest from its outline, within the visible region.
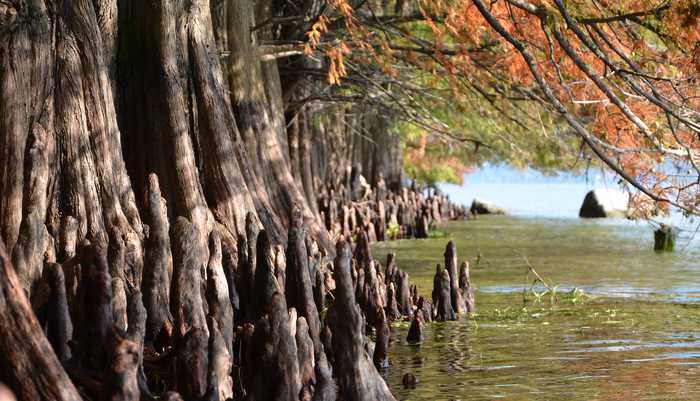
(624, 72)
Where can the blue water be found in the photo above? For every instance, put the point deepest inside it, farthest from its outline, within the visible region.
(528, 192)
(532, 195)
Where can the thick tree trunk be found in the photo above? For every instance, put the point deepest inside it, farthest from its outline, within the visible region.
(113, 110)
(259, 128)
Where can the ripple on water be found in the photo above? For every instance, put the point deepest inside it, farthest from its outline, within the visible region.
(637, 338)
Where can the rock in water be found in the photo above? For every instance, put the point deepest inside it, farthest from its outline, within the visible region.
(484, 207)
(604, 202)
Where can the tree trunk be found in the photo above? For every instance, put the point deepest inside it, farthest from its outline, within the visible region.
(276, 190)
(111, 111)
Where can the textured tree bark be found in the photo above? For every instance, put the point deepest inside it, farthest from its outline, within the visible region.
(109, 111)
(60, 327)
(276, 190)
(357, 377)
(217, 294)
(299, 291)
(220, 383)
(187, 275)
(27, 51)
(466, 288)
(137, 334)
(274, 351)
(441, 296)
(158, 266)
(123, 374)
(305, 354)
(415, 332)
(266, 284)
(381, 348)
(456, 296)
(95, 294)
(404, 294)
(29, 365)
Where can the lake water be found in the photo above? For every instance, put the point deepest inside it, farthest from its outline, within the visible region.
(630, 331)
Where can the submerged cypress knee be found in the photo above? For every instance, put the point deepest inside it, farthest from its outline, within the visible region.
(403, 290)
(392, 308)
(465, 287)
(357, 377)
(426, 307)
(415, 332)
(451, 266)
(441, 296)
(381, 348)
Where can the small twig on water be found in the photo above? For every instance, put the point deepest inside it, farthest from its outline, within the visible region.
(537, 275)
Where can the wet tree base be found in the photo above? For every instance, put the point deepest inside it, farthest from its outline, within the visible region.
(211, 319)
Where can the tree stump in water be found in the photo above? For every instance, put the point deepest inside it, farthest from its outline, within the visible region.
(665, 238)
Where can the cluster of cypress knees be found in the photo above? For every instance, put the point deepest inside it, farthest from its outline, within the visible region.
(260, 322)
(384, 214)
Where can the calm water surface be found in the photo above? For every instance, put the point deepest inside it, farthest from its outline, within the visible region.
(635, 335)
